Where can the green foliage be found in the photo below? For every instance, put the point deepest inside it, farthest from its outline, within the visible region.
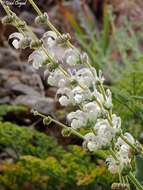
(139, 173)
(117, 51)
(128, 98)
(40, 163)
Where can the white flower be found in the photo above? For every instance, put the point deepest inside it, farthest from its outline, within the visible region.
(37, 57)
(123, 156)
(130, 138)
(100, 77)
(108, 102)
(78, 119)
(104, 131)
(49, 38)
(93, 145)
(78, 98)
(57, 79)
(71, 57)
(101, 125)
(123, 153)
(76, 95)
(121, 142)
(92, 110)
(124, 150)
(64, 100)
(17, 38)
(66, 92)
(59, 52)
(80, 94)
(112, 165)
(89, 137)
(116, 121)
(98, 96)
(84, 77)
(92, 142)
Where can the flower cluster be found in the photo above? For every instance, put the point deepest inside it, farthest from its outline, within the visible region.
(79, 85)
(124, 155)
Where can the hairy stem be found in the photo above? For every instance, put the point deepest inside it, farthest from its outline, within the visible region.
(135, 181)
(60, 124)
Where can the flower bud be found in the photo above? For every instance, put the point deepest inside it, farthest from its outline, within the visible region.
(49, 38)
(104, 114)
(127, 168)
(139, 148)
(46, 121)
(35, 44)
(42, 19)
(66, 132)
(24, 43)
(53, 66)
(120, 186)
(84, 58)
(35, 113)
(7, 20)
(21, 24)
(63, 38)
(108, 105)
(15, 39)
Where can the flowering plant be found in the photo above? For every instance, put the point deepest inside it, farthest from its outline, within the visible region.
(79, 85)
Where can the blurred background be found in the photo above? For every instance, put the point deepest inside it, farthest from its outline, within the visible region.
(37, 157)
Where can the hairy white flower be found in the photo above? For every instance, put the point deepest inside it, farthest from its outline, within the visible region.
(64, 100)
(16, 39)
(84, 77)
(49, 38)
(71, 57)
(89, 137)
(92, 142)
(78, 119)
(112, 165)
(100, 77)
(58, 51)
(80, 94)
(123, 156)
(130, 138)
(66, 96)
(123, 150)
(104, 131)
(38, 58)
(92, 110)
(97, 95)
(116, 121)
(93, 145)
(121, 142)
(57, 79)
(108, 102)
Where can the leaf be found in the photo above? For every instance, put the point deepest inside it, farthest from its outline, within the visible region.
(139, 171)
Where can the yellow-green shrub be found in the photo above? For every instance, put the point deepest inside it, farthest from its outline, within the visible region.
(42, 164)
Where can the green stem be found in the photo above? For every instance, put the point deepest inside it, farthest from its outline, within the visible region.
(135, 181)
(60, 124)
(52, 27)
(102, 90)
(127, 181)
(113, 154)
(35, 7)
(127, 142)
(5, 7)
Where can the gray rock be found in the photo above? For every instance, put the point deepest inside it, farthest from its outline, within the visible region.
(24, 89)
(39, 103)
